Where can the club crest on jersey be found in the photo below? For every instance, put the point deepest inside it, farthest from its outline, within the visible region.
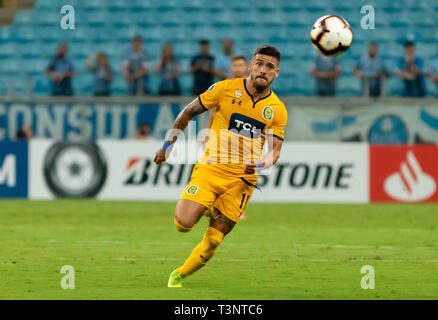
(192, 189)
(238, 93)
(211, 87)
(268, 112)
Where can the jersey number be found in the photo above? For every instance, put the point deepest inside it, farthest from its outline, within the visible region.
(244, 202)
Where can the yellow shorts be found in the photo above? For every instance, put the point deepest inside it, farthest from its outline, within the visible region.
(225, 191)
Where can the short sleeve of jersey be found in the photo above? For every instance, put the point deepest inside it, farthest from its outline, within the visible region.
(279, 122)
(213, 95)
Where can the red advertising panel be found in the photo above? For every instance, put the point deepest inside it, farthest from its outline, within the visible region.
(407, 173)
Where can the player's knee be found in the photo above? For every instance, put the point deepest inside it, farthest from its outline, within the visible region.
(181, 226)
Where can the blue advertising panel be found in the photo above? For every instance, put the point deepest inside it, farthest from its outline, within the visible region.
(90, 121)
(13, 169)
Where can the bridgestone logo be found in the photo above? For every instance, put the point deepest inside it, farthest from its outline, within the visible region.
(302, 175)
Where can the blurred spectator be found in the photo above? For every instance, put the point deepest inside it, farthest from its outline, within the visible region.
(371, 70)
(326, 70)
(432, 73)
(202, 69)
(239, 67)
(143, 132)
(170, 69)
(25, 133)
(103, 75)
(222, 62)
(60, 70)
(409, 69)
(136, 68)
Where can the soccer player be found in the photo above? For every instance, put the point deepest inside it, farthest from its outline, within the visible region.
(239, 69)
(247, 111)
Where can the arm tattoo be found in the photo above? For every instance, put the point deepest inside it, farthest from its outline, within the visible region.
(191, 110)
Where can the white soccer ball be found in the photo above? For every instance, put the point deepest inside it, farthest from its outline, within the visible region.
(331, 35)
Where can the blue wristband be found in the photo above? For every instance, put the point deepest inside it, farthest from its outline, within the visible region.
(166, 145)
(259, 166)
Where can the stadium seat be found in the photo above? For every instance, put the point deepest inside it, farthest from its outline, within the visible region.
(348, 86)
(241, 6)
(47, 18)
(274, 18)
(184, 50)
(222, 20)
(35, 66)
(214, 6)
(342, 7)
(137, 5)
(168, 5)
(44, 4)
(314, 5)
(194, 5)
(199, 20)
(116, 5)
(171, 18)
(25, 18)
(99, 18)
(94, 4)
(390, 6)
(11, 66)
(290, 6)
(8, 50)
(8, 34)
(299, 19)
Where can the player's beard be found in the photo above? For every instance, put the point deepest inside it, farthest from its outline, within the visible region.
(260, 87)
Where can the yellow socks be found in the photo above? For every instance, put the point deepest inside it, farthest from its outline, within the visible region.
(180, 227)
(203, 252)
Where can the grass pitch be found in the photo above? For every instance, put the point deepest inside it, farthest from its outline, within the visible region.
(126, 250)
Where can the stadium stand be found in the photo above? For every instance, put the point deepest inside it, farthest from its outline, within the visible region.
(108, 25)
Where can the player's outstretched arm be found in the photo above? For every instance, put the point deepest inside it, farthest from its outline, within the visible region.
(191, 110)
(268, 160)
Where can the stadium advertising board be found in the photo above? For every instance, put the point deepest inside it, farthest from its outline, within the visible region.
(404, 173)
(88, 121)
(374, 123)
(13, 169)
(317, 172)
(305, 172)
(302, 174)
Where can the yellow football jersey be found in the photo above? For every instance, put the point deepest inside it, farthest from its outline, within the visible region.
(240, 125)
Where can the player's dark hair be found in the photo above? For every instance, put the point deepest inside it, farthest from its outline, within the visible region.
(409, 44)
(137, 38)
(238, 57)
(268, 51)
(204, 41)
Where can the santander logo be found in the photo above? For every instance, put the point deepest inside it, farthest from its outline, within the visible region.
(410, 183)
